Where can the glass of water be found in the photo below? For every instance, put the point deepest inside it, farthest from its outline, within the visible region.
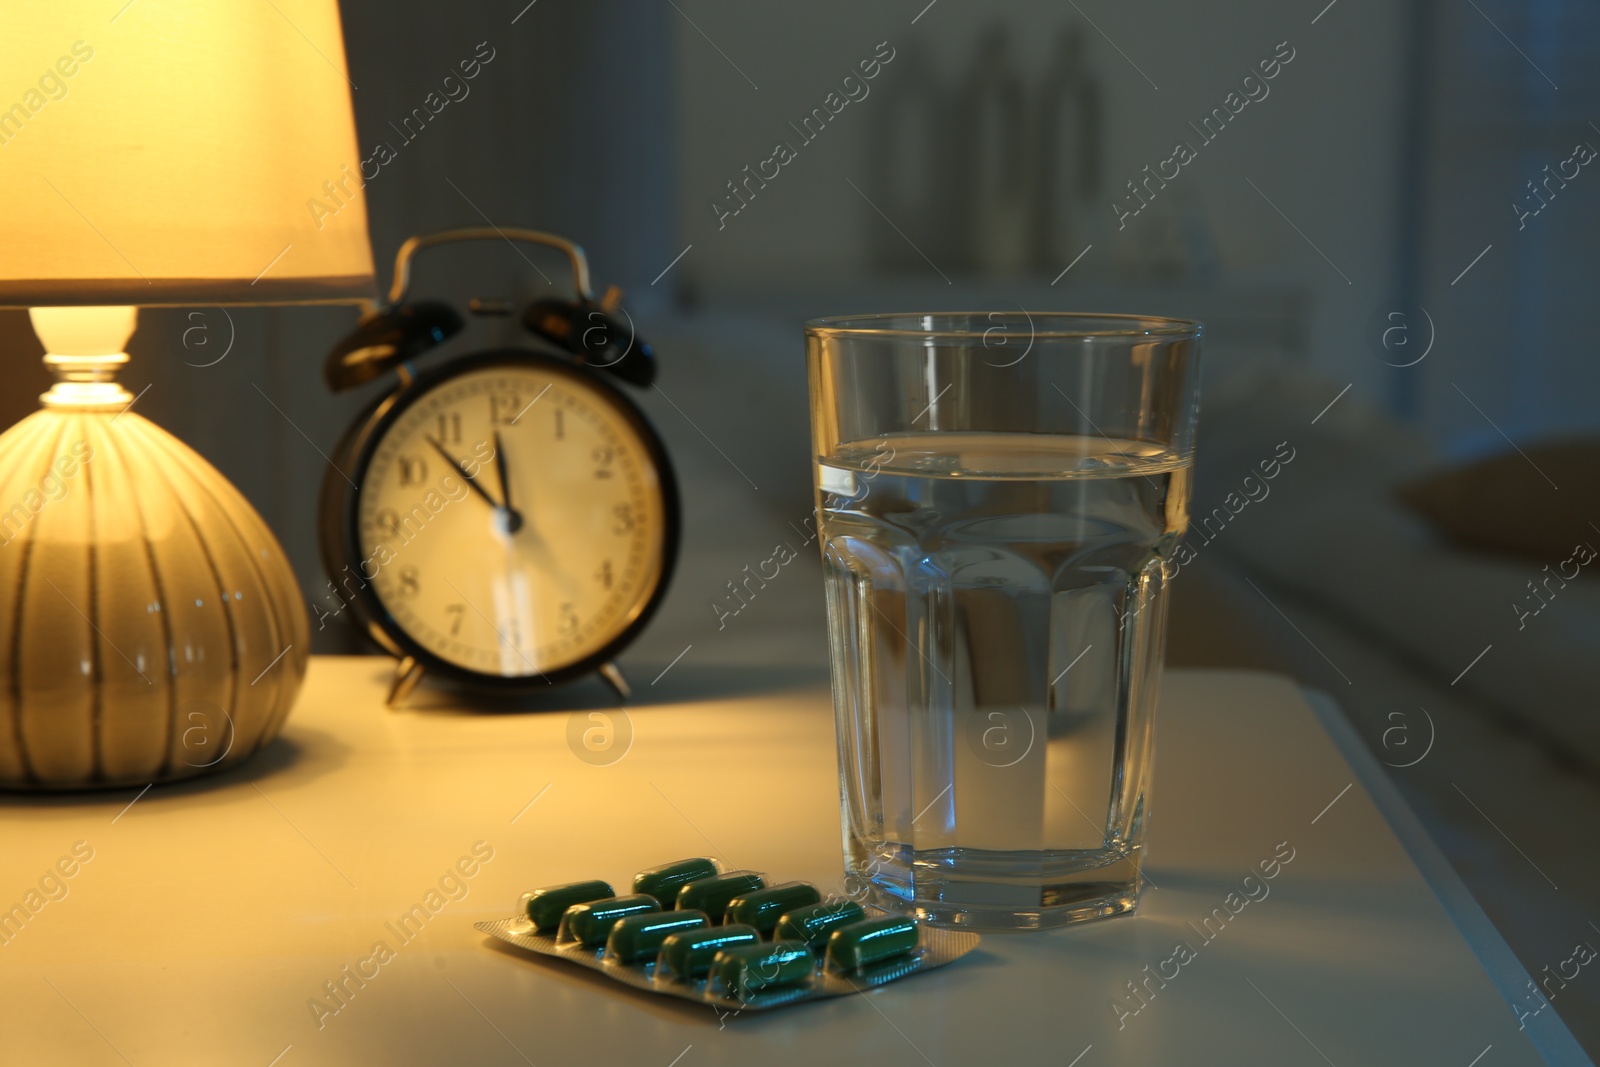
(999, 497)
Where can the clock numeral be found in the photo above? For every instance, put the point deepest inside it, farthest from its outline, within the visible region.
(569, 621)
(457, 612)
(410, 585)
(602, 456)
(623, 514)
(389, 521)
(450, 428)
(512, 634)
(413, 470)
(504, 408)
(561, 425)
(603, 575)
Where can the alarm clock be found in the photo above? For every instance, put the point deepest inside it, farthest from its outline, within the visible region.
(505, 519)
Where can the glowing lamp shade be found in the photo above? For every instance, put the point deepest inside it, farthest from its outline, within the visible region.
(154, 152)
(178, 152)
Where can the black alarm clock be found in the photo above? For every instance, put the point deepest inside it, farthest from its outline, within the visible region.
(504, 519)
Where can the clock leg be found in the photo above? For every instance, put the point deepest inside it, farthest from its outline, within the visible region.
(407, 673)
(613, 676)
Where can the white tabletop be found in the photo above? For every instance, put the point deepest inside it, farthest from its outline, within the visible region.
(211, 914)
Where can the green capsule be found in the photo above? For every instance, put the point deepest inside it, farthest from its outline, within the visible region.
(870, 941)
(688, 955)
(663, 882)
(814, 922)
(711, 895)
(638, 937)
(544, 907)
(746, 969)
(591, 923)
(764, 907)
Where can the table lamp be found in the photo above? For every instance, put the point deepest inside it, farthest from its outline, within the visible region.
(154, 152)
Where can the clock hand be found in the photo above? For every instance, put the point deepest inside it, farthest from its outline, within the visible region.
(462, 470)
(500, 466)
(513, 517)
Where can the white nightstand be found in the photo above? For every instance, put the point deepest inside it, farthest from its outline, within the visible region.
(211, 914)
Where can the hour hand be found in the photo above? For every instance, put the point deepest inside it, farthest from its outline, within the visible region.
(462, 470)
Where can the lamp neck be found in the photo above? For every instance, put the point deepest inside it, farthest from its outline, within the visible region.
(85, 382)
(83, 348)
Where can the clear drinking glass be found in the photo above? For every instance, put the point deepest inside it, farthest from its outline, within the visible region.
(999, 496)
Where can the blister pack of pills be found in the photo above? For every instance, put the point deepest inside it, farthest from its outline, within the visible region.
(726, 938)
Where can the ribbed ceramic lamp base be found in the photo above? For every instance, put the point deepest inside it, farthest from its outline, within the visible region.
(150, 626)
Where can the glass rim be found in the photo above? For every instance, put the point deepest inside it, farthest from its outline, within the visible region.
(876, 325)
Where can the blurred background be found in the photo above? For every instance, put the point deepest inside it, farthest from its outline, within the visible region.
(1383, 211)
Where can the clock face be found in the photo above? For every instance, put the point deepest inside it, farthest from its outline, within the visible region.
(512, 518)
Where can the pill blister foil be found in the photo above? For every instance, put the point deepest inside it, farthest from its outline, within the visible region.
(935, 948)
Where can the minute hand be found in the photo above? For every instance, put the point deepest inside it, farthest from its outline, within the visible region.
(500, 468)
(462, 470)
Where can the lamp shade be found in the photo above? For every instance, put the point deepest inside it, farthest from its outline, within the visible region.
(178, 152)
